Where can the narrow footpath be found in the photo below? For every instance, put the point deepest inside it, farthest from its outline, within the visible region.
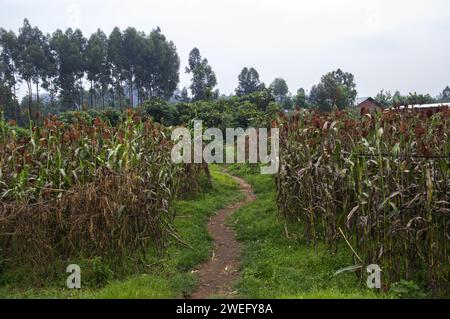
(217, 276)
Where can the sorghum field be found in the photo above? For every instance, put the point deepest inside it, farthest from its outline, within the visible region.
(86, 189)
(377, 182)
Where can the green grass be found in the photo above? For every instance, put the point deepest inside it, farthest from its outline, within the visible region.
(167, 277)
(274, 266)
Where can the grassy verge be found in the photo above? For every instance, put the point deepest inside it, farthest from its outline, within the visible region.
(275, 266)
(167, 277)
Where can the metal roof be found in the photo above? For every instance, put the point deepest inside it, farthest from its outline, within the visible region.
(424, 106)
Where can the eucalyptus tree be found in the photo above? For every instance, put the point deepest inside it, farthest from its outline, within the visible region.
(280, 90)
(157, 67)
(6, 99)
(9, 51)
(445, 95)
(133, 45)
(49, 74)
(32, 59)
(61, 62)
(184, 96)
(79, 41)
(249, 82)
(203, 77)
(116, 58)
(300, 98)
(166, 65)
(97, 66)
(146, 64)
(69, 47)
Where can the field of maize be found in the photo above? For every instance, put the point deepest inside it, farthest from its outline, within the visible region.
(378, 183)
(87, 188)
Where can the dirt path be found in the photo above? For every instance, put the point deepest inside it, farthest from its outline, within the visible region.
(216, 277)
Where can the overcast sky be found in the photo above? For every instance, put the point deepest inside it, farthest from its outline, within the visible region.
(390, 44)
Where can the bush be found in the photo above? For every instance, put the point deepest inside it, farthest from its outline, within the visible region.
(260, 99)
(111, 116)
(101, 273)
(160, 111)
(226, 113)
(408, 290)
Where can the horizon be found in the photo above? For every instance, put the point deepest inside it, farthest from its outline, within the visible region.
(393, 40)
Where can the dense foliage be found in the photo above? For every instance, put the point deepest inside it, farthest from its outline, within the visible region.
(381, 183)
(336, 89)
(203, 77)
(386, 98)
(249, 82)
(78, 186)
(256, 110)
(123, 69)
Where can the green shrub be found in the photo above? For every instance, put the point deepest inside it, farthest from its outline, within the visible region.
(159, 110)
(408, 290)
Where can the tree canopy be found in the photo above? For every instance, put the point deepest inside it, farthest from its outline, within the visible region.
(203, 79)
(445, 95)
(280, 90)
(387, 99)
(300, 98)
(123, 69)
(249, 82)
(336, 88)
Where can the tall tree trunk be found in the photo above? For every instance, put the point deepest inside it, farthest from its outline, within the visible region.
(81, 94)
(38, 113)
(14, 98)
(120, 95)
(131, 91)
(113, 98)
(138, 96)
(92, 91)
(14, 106)
(14, 88)
(52, 94)
(30, 100)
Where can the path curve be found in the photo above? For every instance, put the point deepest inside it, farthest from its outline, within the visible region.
(216, 277)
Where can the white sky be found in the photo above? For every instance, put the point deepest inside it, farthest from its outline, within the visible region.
(390, 44)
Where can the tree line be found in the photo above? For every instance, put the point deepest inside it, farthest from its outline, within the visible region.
(127, 68)
(122, 69)
(387, 98)
(336, 89)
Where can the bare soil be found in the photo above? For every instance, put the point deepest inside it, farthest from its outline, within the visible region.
(216, 277)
